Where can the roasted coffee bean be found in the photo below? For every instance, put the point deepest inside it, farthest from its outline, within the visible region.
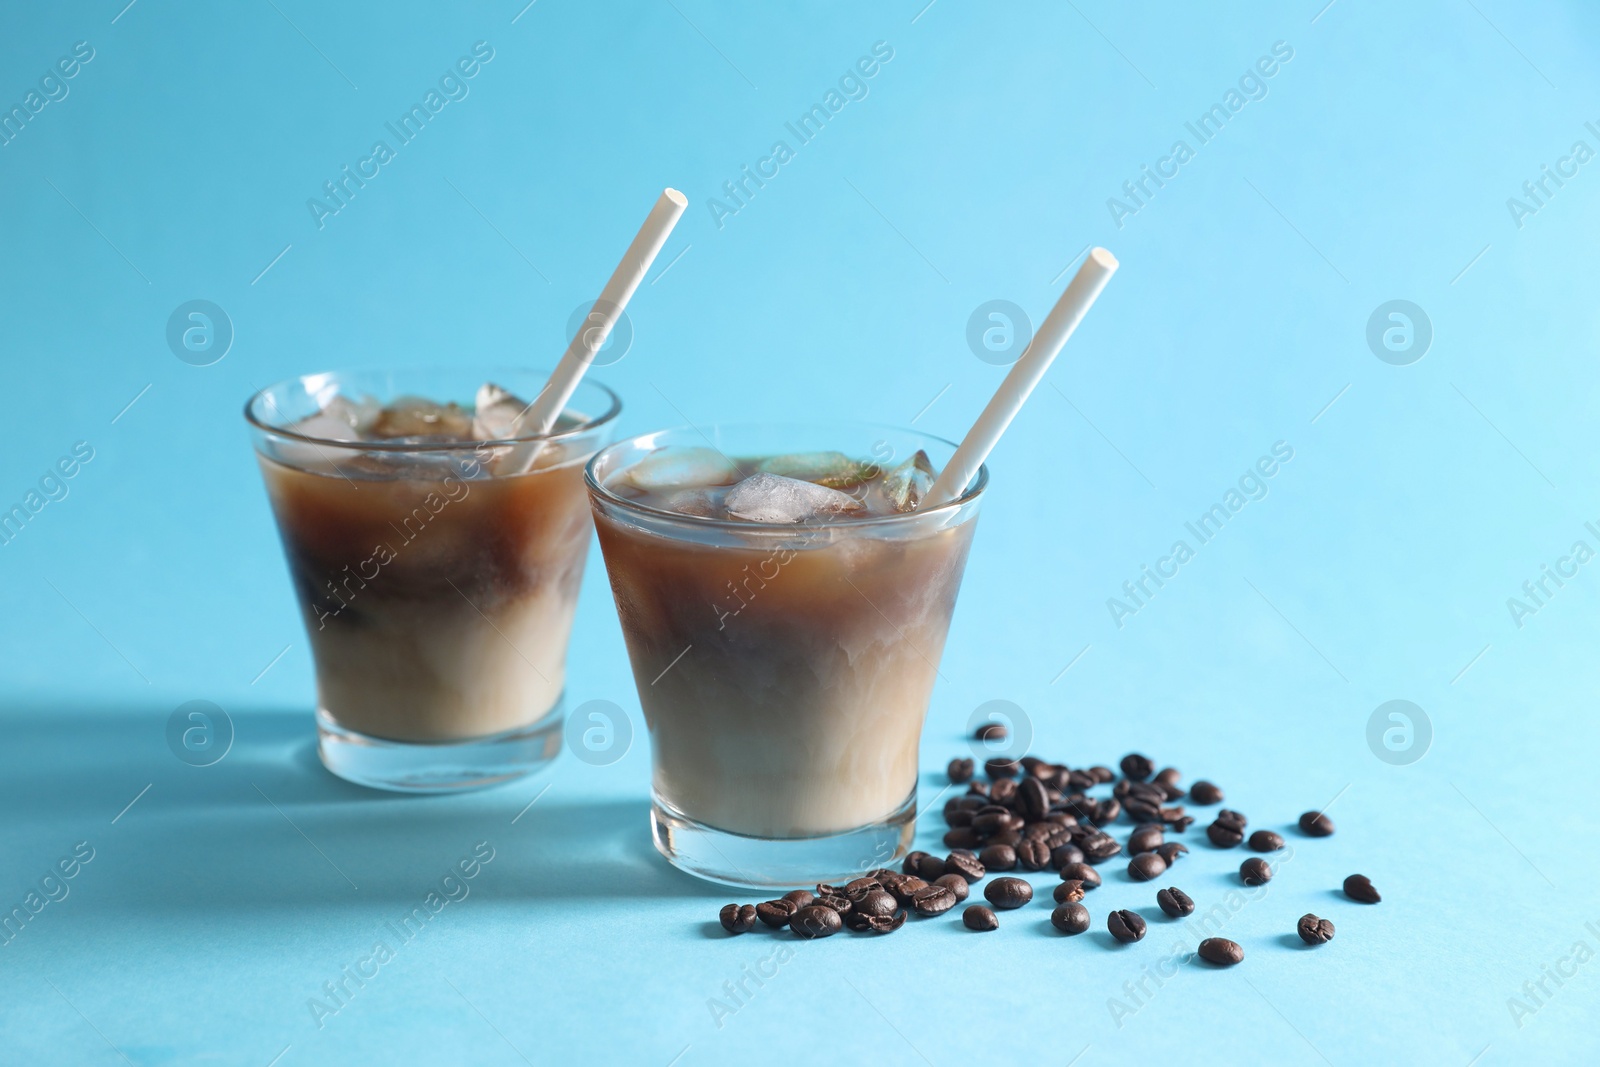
(1126, 926)
(1102, 774)
(1080, 781)
(1232, 818)
(1033, 855)
(887, 878)
(998, 857)
(1031, 763)
(1038, 831)
(1062, 855)
(1316, 824)
(1147, 838)
(961, 770)
(738, 918)
(1069, 892)
(1006, 837)
(910, 863)
(834, 899)
(1004, 791)
(1141, 810)
(929, 868)
(1221, 951)
(973, 801)
(1146, 866)
(1137, 767)
(1081, 872)
(978, 917)
(933, 900)
(1179, 823)
(1082, 809)
(1001, 767)
(1032, 799)
(1314, 931)
(956, 884)
(905, 889)
(1358, 887)
(878, 924)
(860, 887)
(962, 837)
(800, 897)
(1204, 793)
(1171, 850)
(1070, 917)
(990, 731)
(1174, 792)
(966, 864)
(1223, 834)
(1167, 776)
(1100, 847)
(1109, 810)
(1266, 841)
(816, 921)
(877, 904)
(958, 817)
(775, 913)
(1007, 893)
(1175, 902)
(989, 823)
(1063, 819)
(978, 788)
(1255, 871)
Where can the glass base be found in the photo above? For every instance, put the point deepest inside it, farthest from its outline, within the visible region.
(443, 766)
(781, 863)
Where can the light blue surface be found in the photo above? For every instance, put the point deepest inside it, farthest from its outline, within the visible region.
(1378, 566)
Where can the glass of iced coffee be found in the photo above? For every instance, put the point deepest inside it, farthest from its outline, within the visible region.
(436, 552)
(785, 602)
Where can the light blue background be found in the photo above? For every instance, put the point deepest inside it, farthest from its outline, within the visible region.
(1378, 567)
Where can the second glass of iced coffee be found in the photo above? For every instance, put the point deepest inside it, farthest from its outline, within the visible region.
(785, 602)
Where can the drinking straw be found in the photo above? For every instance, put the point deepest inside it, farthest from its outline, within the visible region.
(1024, 375)
(597, 324)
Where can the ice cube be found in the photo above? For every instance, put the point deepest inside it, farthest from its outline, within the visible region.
(697, 502)
(767, 497)
(358, 414)
(832, 469)
(670, 467)
(908, 483)
(417, 417)
(496, 414)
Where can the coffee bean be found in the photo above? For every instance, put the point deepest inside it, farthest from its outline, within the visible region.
(956, 884)
(1255, 871)
(998, 857)
(1146, 838)
(1358, 887)
(815, 921)
(1145, 866)
(1062, 855)
(1266, 841)
(1167, 776)
(775, 913)
(1033, 855)
(1221, 951)
(800, 897)
(738, 918)
(1081, 872)
(933, 900)
(1080, 781)
(905, 889)
(833, 899)
(1007, 837)
(910, 863)
(960, 770)
(1137, 767)
(1203, 792)
(1232, 818)
(860, 887)
(1004, 791)
(1180, 823)
(1032, 799)
(1102, 774)
(1224, 834)
(1007, 893)
(1126, 926)
(958, 817)
(1175, 902)
(878, 924)
(966, 864)
(1143, 809)
(962, 837)
(1070, 918)
(1316, 824)
(877, 904)
(1069, 892)
(1171, 850)
(978, 917)
(1314, 931)
(1109, 810)
(929, 868)
(990, 731)
(977, 788)
(1001, 767)
(1100, 847)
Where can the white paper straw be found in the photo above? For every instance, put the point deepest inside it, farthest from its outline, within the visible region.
(597, 325)
(1024, 375)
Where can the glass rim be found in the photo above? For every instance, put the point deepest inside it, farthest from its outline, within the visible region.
(609, 415)
(979, 483)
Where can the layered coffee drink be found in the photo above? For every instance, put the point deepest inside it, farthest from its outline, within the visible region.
(785, 615)
(437, 558)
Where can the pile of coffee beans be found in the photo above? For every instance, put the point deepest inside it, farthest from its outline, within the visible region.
(1032, 815)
